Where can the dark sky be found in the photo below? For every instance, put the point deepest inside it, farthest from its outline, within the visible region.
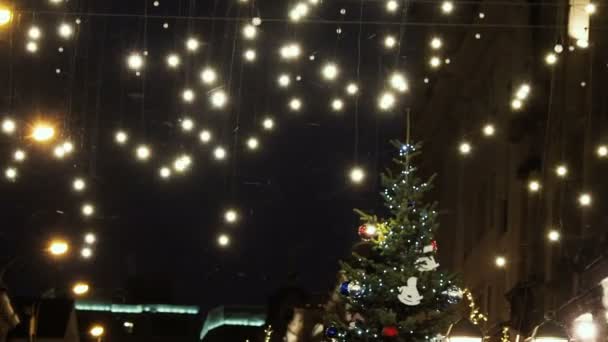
(293, 194)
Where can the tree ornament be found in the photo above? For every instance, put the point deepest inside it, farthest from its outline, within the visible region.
(453, 294)
(368, 231)
(435, 246)
(427, 263)
(348, 288)
(409, 294)
(331, 332)
(390, 331)
(344, 288)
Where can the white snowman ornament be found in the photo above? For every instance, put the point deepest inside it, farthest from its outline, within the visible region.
(427, 263)
(409, 294)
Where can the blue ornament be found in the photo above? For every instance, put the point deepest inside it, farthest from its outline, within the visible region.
(344, 288)
(453, 294)
(331, 332)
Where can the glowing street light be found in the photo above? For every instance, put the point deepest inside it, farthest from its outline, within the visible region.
(43, 132)
(58, 247)
(80, 288)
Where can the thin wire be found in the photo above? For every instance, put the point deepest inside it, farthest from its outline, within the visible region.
(143, 76)
(315, 21)
(358, 82)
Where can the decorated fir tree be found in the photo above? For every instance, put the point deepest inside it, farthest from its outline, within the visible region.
(394, 291)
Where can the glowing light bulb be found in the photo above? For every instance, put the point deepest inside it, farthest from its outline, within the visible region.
(8, 126)
(398, 82)
(284, 80)
(256, 21)
(173, 60)
(31, 47)
(79, 184)
(250, 55)
(330, 71)
(208, 76)
(295, 104)
(436, 43)
(253, 143)
(585, 329)
(561, 171)
(187, 125)
(290, 51)
(68, 147)
(523, 92)
(135, 61)
(602, 151)
(584, 200)
(551, 58)
(553, 235)
(447, 7)
(97, 331)
(582, 43)
(231, 216)
(219, 153)
(182, 163)
(392, 5)
(489, 130)
(500, 261)
(90, 238)
(192, 44)
(205, 136)
(6, 15)
(516, 104)
(357, 175)
(188, 95)
(223, 240)
(337, 105)
(34, 33)
(19, 156)
(268, 124)
(352, 89)
(143, 153)
(386, 101)
(80, 289)
(219, 99)
(534, 186)
(58, 247)
(59, 152)
(299, 11)
(10, 173)
(65, 30)
(390, 42)
(43, 132)
(86, 253)
(88, 209)
(435, 62)
(249, 32)
(121, 137)
(465, 148)
(164, 172)
(590, 8)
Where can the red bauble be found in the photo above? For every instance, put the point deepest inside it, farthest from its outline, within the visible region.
(434, 244)
(367, 231)
(390, 331)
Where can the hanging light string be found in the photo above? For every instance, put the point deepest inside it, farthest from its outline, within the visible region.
(143, 74)
(359, 37)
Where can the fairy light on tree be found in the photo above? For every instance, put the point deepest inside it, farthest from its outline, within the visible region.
(390, 42)
(489, 130)
(10, 173)
(187, 125)
(290, 51)
(436, 43)
(31, 47)
(551, 58)
(352, 89)
(585, 199)
(590, 8)
(561, 171)
(465, 148)
(500, 261)
(392, 6)
(250, 55)
(219, 99)
(231, 216)
(79, 185)
(188, 95)
(398, 82)
(164, 172)
(88, 210)
(447, 7)
(553, 235)
(284, 80)
(602, 151)
(534, 186)
(435, 62)
(250, 32)
(34, 33)
(253, 143)
(223, 240)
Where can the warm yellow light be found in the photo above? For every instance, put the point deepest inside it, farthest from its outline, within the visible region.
(188, 95)
(534, 186)
(399, 82)
(231, 216)
(182, 163)
(59, 152)
(392, 5)
(90, 238)
(219, 153)
(585, 200)
(500, 261)
(284, 80)
(390, 42)
(337, 105)
(8, 126)
(31, 47)
(447, 7)
(465, 148)
(435, 62)
(561, 171)
(582, 43)
(299, 11)
(97, 330)
(290, 51)
(489, 130)
(10, 173)
(208, 76)
(205, 136)
(143, 153)
(436, 43)
(65, 30)
(551, 58)
(223, 240)
(88, 209)
(602, 151)
(386, 101)
(58, 247)
(187, 125)
(357, 175)
(68, 147)
(219, 99)
(121, 137)
(164, 172)
(268, 124)
(79, 184)
(43, 132)
(523, 92)
(249, 32)
(295, 104)
(516, 104)
(19, 156)
(135, 61)
(192, 44)
(6, 15)
(86, 252)
(330, 71)
(80, 288)
(590, 8)
(250, 55)
(173, 60)
(352, 89)
(553, 235)
(253, 143)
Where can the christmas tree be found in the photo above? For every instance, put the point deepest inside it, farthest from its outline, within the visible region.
(394, 291)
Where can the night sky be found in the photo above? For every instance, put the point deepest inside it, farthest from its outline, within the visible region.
(157, 239)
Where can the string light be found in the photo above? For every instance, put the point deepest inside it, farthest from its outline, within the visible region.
(121, 137)
(268, 124)
(43, 132)
(205, 136)
(19, 156)
(436, 43)
(489, 130)
(299, 11)
(602, 151)
(10, 173)
(561, 171)
(551, 58)
(500, 261)
(284, 80)
(357, 175)
(55, 2)
(295, 104)
(553, 235)
(231, 216)
(398, 82)
(68, 147)
(188, 95)
(79, 185)
(223, 240)
(582, 43)
(6, 15)
(516, 104)
(164, 172)
(337, 105)
(253, 143)
(59, 152)
(534, 186)
(257, 21)
(58, 247)
(135, 61)
(465, 148)
(31, 47)
(249, 32)
(590, 8)
(219, 153)
(173, 61)
(187, 125)
(435, 62)
(290, 51)
(86, 253)
(208, 76)
(585, 200)
(88, 209)
(219, 99)
(447, 7)
(8, 126)
(250, 55)
(330, 71)
(90, 238)
(352, 89)
(392, 5)
(386, 101)
(65, 30)
(182, 163)
(143, 153)
(192, 44)
(390, 42)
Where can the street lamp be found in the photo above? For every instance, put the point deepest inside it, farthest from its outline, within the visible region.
(464, 331)
(549, 331)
